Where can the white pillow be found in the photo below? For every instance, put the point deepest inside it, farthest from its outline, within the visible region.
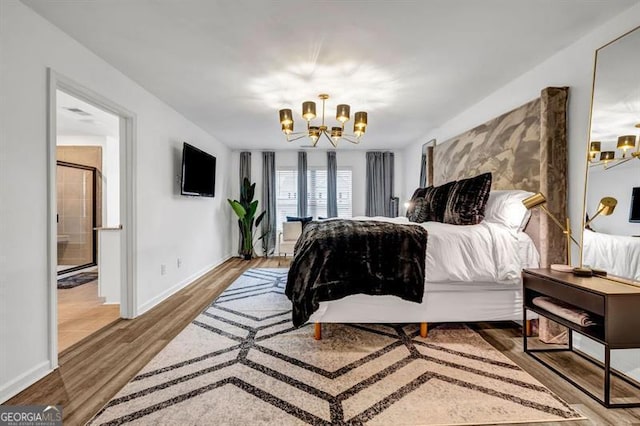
(505, 208)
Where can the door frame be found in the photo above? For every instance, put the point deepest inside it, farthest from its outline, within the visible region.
(128, 122)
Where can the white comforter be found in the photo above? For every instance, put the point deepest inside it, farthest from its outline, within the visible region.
(487, 252)
(617, 254)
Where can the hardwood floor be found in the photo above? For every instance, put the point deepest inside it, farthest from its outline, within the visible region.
(82, 313)
(95, 369)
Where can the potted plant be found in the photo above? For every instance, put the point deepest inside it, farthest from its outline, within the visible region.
(246, 209)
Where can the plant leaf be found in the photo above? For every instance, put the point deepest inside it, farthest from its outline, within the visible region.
(251, 212)
(259, 219)
(237, 208)
(251, 189)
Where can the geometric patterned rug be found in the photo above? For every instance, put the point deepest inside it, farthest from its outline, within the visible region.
(242, 362)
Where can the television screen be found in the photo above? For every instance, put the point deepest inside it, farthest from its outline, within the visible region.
(634, 215)
(198, 172)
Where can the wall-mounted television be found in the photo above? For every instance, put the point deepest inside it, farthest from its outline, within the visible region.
(198, 172)
(634, 214)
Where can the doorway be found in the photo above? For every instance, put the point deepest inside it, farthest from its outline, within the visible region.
(90, 151)
(87, 197)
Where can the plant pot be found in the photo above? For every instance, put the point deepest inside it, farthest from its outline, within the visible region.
(246, 256)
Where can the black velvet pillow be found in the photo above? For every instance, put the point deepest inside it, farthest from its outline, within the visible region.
(418, 193)
(436, 198)
(467, 200)
(419, 210)
(304, 220)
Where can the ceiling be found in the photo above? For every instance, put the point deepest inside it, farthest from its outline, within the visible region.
(230, 65)
(78, 118)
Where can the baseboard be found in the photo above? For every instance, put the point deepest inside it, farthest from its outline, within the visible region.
(24, 381)
(179, 286)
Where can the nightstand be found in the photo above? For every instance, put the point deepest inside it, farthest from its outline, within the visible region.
(615, 307)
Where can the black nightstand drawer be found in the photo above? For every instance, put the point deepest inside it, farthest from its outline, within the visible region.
(577, 297)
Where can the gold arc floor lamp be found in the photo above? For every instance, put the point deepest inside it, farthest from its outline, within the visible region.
(539, 200)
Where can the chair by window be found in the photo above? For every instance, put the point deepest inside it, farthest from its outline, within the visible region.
(288, 237)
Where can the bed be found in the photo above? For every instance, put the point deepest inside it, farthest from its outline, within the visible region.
(619, 255)
(524, 149)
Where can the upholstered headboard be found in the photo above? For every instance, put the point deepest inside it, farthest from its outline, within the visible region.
(524, 149)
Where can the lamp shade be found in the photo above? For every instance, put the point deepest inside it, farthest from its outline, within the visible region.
(342, 113)
(595, 147)
(360, 120)
(286, 117)
(626, 142)
(607, 155)
(607, 205)
(534, 201)
(314, 133)
(309, 110)
(336, 133)
(287, 129)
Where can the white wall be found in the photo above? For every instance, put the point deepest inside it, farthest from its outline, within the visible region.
(571, 67)
(617, 182)
(169, 225)
(354, 159)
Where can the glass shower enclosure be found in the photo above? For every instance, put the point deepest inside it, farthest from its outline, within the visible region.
(76, 216)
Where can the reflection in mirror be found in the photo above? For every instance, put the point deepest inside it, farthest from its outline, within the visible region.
(611, 239)
(426, 173)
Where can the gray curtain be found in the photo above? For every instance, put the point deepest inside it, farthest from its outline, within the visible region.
(269, 201)
(332, 184)
(379, 189)
(302, 184)
(245, 172)
(245, 166)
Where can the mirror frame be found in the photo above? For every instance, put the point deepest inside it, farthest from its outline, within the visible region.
(426, 164)
(588, 158)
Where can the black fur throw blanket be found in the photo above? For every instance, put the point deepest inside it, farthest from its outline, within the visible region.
(338, 258)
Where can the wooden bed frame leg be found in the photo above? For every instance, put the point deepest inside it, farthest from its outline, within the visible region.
(423, 329)
(317, 331)
(527, 328)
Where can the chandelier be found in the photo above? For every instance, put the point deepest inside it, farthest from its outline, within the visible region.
(315, 132)
(608, 159)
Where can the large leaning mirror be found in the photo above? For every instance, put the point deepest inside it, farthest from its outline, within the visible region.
(611, 240)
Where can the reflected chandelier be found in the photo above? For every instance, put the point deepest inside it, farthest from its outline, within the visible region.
(315, 132)
(608, 158)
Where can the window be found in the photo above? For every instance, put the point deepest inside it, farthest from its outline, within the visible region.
(287, 193)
